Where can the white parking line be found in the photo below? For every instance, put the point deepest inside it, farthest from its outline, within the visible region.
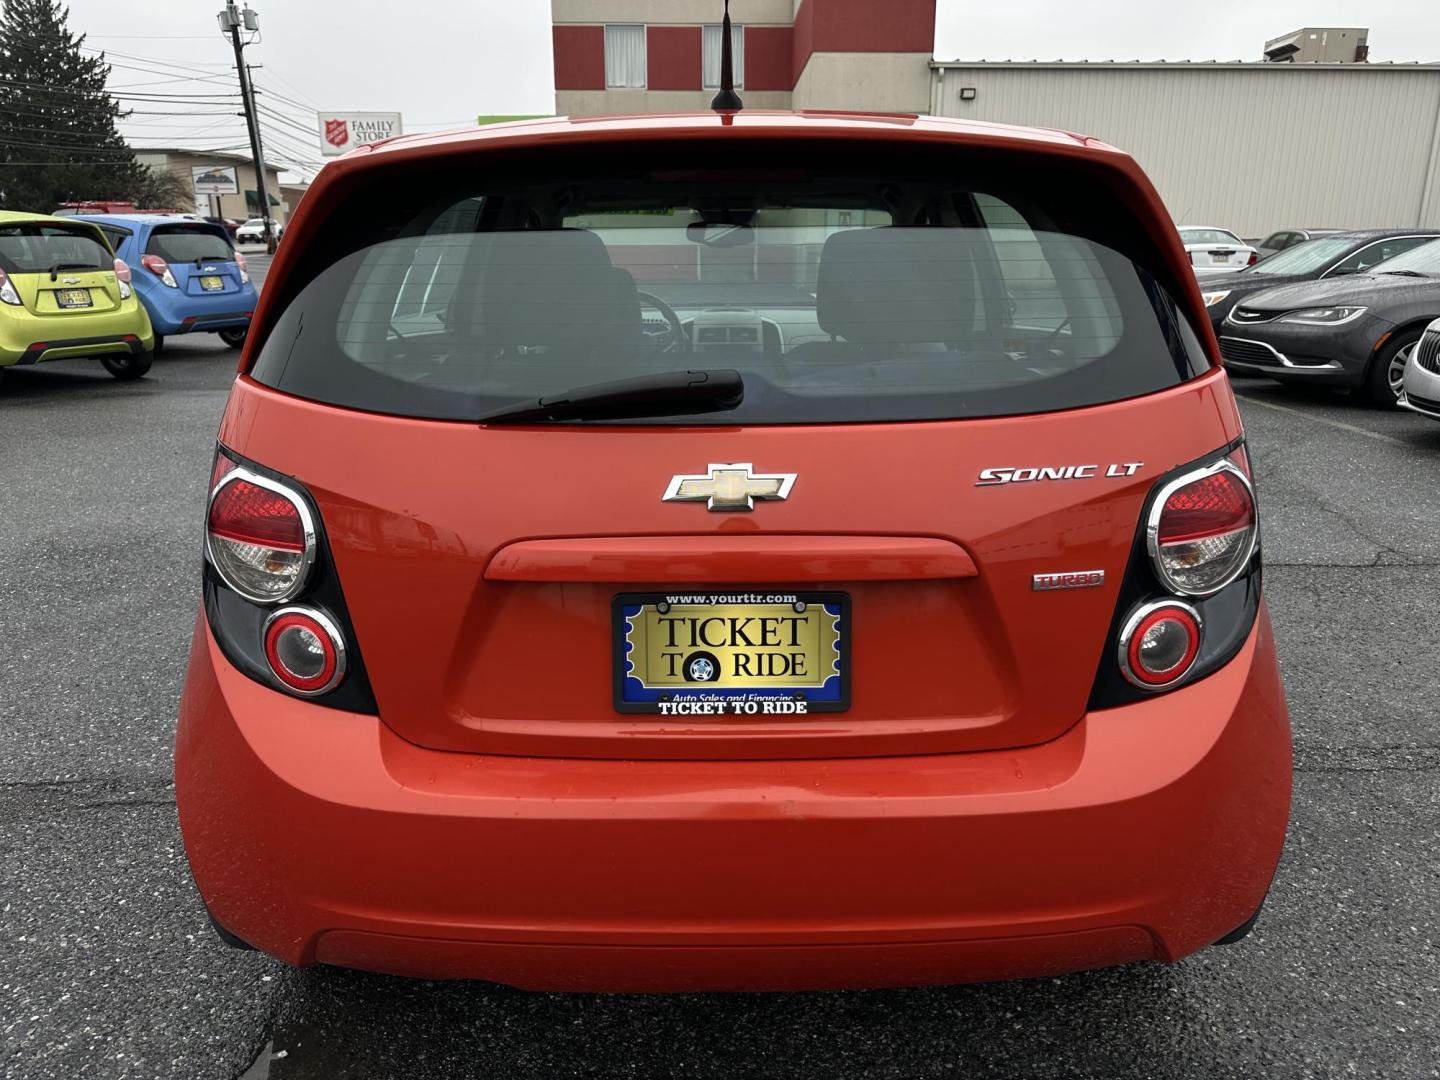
(1322, 420)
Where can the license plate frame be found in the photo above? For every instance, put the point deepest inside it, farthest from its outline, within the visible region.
(73, 298)
(212, 283)
(727, 699)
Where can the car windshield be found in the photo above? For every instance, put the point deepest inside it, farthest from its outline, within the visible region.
(1424, 259)
(1303, 258)
(853, 296)
(1208, 236)
(35, 248)
(190, 243)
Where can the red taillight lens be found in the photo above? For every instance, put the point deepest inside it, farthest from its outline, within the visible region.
(260, 537)
(1159, 644)
(305, 650)
(1254, 258)
(122, 271)
(1202, 529)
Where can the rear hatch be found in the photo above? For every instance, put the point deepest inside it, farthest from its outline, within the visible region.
(59, 269)
(200, 256)
(954, 407)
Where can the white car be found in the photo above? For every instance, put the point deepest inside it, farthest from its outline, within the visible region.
(1216, 251)
(253, 231)
(1421, 391)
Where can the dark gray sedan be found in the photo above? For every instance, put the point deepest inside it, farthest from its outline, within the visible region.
(1353, 331)
(1335, 256)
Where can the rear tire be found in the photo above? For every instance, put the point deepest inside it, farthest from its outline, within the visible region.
(128, 367)
(234, 336)
(1387, 370)
(159, 345)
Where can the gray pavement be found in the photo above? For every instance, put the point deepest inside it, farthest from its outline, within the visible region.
(108, 968)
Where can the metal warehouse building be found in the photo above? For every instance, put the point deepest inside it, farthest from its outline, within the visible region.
(1249, 146)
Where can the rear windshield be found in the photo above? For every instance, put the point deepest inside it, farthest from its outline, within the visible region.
(190, 243)
(1208, 236)
(854, 289)
(33, 248)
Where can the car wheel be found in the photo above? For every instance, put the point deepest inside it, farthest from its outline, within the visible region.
(159, 345)
(1387, 371)
(127, 367)
(234, 336)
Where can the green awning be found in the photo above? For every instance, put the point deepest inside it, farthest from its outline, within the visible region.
(252, 200)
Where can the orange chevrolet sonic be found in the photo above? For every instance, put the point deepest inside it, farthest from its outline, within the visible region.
(733, 551)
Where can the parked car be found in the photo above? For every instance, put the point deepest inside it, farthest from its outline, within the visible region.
(1328, 257)
(1215, 251)
(253, 231)
(230, 225)
(1285, 239)
(1421, 391)
(567, 624)
(64, 295)
(191, 279)
(1354, 331)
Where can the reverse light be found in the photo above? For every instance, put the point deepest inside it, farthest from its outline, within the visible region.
(305, 650)
(1159, 644)
(8, 295)
(1213, 298)
(160, 268)
(259, 536)
(1323, 316)
(1202, 529)
(243, 267)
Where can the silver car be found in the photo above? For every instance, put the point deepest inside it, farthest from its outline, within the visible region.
(1421, 390)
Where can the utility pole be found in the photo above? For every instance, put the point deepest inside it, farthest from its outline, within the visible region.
(232, 21)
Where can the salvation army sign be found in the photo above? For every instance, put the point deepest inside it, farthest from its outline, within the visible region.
(340, 132)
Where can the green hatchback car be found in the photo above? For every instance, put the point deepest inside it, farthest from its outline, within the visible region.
(64, 294)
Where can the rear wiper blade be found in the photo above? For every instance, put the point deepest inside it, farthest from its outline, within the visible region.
(55, 268)
(672, 393)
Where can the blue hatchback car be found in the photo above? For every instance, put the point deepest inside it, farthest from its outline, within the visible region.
(187, 273)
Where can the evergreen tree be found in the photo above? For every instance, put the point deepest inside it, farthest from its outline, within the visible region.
(58, 140)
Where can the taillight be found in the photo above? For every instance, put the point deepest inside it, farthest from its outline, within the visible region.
(160, 268)
(260, 536)
(1159, 644)
(243, 266)
(305, 650)
(122, 278)
(1202, 529)
(8, 294)
(1254, 258)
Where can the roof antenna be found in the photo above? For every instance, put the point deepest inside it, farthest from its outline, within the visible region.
(726, 100)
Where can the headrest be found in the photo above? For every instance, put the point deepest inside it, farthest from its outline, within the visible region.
(897, 285)
(554, 287)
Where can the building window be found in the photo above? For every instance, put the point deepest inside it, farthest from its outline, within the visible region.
(625, 56)
(710, 54)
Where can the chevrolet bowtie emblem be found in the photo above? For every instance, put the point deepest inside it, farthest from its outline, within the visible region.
(729, 487)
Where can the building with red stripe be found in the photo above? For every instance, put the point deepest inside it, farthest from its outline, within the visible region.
(629, 56)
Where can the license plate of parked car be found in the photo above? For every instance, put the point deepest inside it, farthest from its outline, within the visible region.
(212, 283)
(734, 654)
(73, 298)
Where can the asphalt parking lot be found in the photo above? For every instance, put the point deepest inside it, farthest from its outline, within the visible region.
(109, 969)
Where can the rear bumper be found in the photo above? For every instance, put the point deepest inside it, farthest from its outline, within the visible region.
(185, 314)
(1145, 832)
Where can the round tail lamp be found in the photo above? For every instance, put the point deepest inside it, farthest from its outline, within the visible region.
(1159, 644)
(304, 650)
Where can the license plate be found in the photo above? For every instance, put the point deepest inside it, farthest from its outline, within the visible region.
(733, 655)
(212, 283)
(71, 298)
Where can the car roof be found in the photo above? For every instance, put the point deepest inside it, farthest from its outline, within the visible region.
(13, 217)
(661, 125)
(144, 219)
(1374, 234)
(1217, 228)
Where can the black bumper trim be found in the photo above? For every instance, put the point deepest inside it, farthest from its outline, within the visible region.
(33, 354)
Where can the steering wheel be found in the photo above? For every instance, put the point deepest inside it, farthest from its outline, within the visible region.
(672, 338)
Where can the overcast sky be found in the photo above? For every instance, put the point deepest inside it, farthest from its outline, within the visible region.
(442, 62)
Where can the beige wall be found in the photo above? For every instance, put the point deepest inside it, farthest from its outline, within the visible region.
(874, 82)
(590, 12)
(231, 206)
(1253, 147)
(613, 102)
